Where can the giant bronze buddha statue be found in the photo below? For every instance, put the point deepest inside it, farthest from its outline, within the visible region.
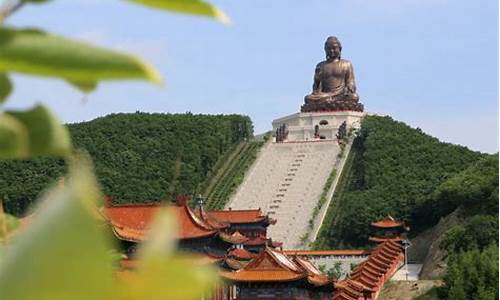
(334, 87)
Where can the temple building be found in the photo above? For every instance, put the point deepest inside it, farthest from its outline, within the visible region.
(210, 233)
(274, 275)
(388, 229)
(250, 264)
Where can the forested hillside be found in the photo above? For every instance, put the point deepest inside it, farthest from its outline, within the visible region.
(397, 170)
(230, 175)
(472, 246)
(392, 169)
(138, 157)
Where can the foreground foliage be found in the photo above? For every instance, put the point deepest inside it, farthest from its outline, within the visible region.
(32, 51)
(65, 254)
(139, 157)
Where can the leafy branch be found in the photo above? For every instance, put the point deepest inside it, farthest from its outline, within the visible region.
(64, 253)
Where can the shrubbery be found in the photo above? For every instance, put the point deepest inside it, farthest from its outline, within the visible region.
(472, 275)
(472, 246)
(478, 232)
(476, 188)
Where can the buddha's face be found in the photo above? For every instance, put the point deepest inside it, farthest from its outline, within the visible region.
(332, 50)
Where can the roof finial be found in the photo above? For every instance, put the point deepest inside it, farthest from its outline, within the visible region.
(200, 201)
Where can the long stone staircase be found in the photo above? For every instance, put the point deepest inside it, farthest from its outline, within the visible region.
(286, 181)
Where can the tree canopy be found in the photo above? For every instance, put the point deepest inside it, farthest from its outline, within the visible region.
(138, 157)
(394, 169)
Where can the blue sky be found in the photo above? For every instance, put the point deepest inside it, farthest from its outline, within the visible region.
(430, 63)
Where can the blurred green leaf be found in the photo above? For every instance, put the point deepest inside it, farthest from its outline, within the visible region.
(160, 275)
(5, 87)
(193, 7)
(32, 133)
(84, 86)
(164, 277)
(2, 252)
(13, 138)
(8, 224)
(38, 53)
(161, 239)
(12, 223)
(63, 253)
(35, 1)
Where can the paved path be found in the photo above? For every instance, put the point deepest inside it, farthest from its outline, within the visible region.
(413, 271)
(286, 182)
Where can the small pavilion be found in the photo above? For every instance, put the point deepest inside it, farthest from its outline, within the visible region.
(388, 229)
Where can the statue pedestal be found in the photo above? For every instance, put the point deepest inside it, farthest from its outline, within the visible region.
(338, 105)
(317, 126)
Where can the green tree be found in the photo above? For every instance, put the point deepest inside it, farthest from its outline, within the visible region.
(392, 169)
(479, 232)
(336, 271)
(473, 274)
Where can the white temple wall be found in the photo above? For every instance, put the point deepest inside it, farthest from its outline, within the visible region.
(302, 126)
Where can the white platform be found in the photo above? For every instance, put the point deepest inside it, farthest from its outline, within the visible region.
(301, 126)
(413, 271)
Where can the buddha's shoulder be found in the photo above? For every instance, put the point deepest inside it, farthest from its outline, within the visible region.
(320, 64)
(345, 62)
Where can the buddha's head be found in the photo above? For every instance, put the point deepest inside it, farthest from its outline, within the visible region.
(333, 48)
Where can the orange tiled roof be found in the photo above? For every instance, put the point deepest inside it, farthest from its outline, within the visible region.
(210, 220)
(262, 276)
(274, 266)
(268, 266)
(379, 239)
(257, 241)
(387, 222)
(307, 266)
(240, 253)
(349, 290)
(326, 252)
(131, 222)
(381, 262)
(372, 273)
(234, 238)
(235, 264)
(315, 276)
(238, 216)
